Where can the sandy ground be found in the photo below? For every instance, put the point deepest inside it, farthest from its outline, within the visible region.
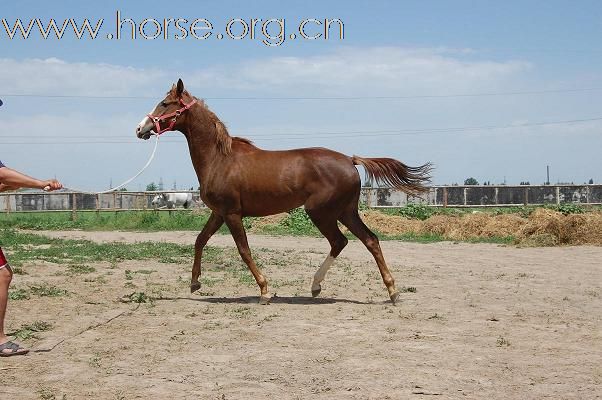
(486, 321)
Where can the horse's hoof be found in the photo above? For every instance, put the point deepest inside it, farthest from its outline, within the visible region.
(394, 297)
(265, 300)
(195, 286)
(316, 292)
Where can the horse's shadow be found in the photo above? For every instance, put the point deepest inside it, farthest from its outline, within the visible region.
(304, 300)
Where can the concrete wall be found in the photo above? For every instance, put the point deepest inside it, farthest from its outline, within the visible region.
(475, 196)
(472, 196)
(62, 201)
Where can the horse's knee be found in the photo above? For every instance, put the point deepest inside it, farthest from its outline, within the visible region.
(201, 241)
(338, 246)
(372, 243)
(246, 256)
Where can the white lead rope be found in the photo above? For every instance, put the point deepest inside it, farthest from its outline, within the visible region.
(152, 156)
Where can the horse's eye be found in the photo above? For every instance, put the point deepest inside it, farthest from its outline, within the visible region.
(163, 104)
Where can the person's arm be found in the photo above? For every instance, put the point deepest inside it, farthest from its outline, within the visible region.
(14, 179)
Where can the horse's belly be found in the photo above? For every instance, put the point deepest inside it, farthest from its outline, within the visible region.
(262, 204)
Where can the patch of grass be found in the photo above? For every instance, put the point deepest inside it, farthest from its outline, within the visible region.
(30, 247)
(493, 240)
(108, 220)
(18, 294)
(412, 237)
(417, 211)
(502, 342)
(298, 222)
(99, 279)
(409, 289)
(209, 282)
(569, 208)
(18, 270)
(80, 269)
(242, 312)
(47, 290)
(435, 316)
(138, 297)
(95, 360)
(29, 331)
(245, 277)
(128, 275)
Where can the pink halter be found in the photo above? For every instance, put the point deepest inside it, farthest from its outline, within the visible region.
(173, 115)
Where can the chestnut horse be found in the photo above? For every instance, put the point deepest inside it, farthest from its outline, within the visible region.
(238, 179)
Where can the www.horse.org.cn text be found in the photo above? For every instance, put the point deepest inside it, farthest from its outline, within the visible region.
(269, 31)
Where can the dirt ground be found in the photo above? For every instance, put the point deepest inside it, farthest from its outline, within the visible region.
(485, 321)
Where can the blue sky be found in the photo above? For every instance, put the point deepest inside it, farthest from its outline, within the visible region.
(391, 48)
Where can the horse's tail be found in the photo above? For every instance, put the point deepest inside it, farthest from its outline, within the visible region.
(393, 173)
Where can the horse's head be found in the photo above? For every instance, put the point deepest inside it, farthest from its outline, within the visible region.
(159, 199)
(167, 115)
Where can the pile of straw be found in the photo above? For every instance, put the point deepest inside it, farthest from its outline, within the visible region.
(543, 227)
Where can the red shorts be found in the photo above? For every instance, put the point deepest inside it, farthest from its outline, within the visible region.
(3, 260)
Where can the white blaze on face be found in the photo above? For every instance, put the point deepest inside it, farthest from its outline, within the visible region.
(145, 125)
(321, 272)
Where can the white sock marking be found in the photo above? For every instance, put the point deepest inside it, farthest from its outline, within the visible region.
(321, 272)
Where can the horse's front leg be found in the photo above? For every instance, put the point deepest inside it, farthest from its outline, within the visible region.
(234, 222)
(212, 225)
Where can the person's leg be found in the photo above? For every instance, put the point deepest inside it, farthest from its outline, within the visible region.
(6, 275)
(5, 278)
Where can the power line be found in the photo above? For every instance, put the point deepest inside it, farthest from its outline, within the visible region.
(310, 135)
(280, 98)
(363, 132)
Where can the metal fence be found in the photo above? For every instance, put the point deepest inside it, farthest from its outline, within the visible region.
(440, 196)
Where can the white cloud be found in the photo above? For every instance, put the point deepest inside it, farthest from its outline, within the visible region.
(377, 69)
(352, 70)
(52, 76)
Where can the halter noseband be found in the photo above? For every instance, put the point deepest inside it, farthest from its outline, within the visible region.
(173, 115)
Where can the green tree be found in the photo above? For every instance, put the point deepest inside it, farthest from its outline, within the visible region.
(471, 181)
(152, 187)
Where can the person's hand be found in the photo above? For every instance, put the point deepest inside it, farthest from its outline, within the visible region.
(51, 185)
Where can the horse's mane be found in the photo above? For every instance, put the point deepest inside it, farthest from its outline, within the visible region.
(215, 125)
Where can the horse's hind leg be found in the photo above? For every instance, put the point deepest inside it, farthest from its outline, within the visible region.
(212, 225)
(353, 222)
(237, 230)
(327, 224)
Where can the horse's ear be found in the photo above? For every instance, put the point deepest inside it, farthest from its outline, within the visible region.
(180, 88)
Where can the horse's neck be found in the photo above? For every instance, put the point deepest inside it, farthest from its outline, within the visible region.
(203, 149)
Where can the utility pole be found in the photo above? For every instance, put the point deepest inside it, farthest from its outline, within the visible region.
(548, 174)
